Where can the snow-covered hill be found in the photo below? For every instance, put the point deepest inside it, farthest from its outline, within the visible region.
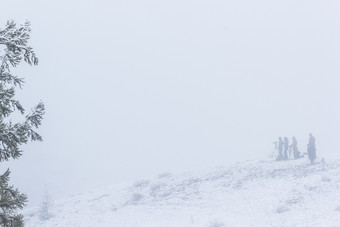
(264, 193)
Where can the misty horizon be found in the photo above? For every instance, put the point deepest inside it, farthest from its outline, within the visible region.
(133, 89)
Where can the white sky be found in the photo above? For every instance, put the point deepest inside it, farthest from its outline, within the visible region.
(135, 88)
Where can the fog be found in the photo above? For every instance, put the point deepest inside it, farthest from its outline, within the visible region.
(136, 88)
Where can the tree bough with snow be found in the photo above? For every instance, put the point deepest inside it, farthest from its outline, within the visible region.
(13, 49)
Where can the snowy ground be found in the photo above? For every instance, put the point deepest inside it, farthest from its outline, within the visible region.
(264, 193)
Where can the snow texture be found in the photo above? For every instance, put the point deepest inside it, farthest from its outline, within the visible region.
(251, 193)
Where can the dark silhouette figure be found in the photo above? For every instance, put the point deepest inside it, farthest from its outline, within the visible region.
(293, 146)
(311, 149)
(280, 146)
(285, 146)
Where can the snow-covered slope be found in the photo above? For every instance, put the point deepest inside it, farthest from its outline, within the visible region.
(264, 193)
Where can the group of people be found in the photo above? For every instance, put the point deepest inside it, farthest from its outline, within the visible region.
(284, 149)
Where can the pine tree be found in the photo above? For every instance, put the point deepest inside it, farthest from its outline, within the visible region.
(13, 50)
(45, 213)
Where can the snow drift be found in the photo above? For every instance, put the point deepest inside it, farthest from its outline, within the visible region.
(262, 193)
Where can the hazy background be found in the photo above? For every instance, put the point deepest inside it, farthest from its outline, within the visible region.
(135, 88)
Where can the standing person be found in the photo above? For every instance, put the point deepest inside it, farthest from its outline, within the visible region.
(285, 146)
(311, 149)
(296, 153)
(280, 146)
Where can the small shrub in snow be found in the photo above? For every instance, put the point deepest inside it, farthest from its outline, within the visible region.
(281, 209)
(311, 188)
(192, 180)
(156, 187)
(140, 184)
(160, 191)
(294, 200)
(325, 179)
(155, 190)
(238, 185)
(164, 194)
(136, 197)
(164, 175)
(216, 224)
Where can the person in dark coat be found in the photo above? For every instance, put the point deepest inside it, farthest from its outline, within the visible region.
(293, 146)
(280, 146)
(311, 149)
(285, 147)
